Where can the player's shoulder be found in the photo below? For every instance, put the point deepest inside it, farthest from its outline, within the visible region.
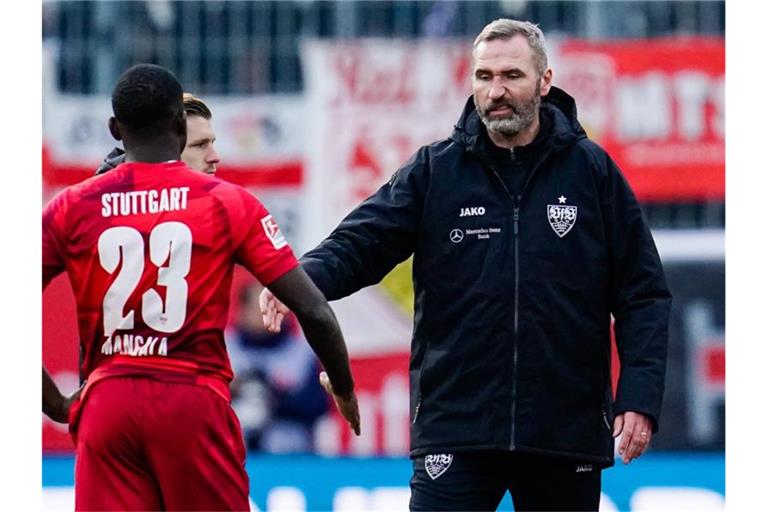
(75, 192)
(229, 193)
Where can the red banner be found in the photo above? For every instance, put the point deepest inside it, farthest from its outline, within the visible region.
(657, 107)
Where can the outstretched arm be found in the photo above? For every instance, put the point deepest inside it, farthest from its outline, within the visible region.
(322, 331)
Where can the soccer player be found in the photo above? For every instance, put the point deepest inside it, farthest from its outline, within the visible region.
(199, 152)
(150, 248)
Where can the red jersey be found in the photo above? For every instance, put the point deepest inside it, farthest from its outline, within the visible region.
(150, 251)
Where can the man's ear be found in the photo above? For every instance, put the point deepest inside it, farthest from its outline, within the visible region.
(114, 129)
(546, 82)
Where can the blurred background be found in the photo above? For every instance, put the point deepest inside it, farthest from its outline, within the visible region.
(315, 104)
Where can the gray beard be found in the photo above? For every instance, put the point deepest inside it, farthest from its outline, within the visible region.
(521, 118)
(508, 126)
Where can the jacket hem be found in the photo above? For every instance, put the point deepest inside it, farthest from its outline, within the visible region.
(602, 461)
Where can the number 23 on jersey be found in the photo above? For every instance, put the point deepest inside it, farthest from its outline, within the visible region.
(170, 249)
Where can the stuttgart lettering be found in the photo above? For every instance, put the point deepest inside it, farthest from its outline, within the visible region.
(144, 201)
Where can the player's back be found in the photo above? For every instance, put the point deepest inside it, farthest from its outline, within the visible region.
(150, 250)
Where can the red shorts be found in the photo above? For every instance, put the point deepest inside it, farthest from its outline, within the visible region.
(143, 444)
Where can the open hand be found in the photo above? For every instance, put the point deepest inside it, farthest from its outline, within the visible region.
(347, 406)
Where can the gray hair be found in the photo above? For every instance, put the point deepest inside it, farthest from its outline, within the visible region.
(505, 29)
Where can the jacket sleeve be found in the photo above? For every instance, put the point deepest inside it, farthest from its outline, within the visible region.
(640, 298)
(377, 235)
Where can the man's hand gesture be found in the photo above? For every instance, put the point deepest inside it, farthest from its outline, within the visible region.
(347, 405)
(272, 311)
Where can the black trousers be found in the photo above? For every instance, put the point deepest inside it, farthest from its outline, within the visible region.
(478, 481)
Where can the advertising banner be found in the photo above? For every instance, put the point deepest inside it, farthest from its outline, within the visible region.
(657, 107)
(689, 481)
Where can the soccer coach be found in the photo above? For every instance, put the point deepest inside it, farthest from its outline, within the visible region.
(526, 240)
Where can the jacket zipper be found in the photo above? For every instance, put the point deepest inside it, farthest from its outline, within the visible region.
(516, 204)
(605, 420)
(515, 230)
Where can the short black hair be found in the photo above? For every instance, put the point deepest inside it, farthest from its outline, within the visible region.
(146, 94)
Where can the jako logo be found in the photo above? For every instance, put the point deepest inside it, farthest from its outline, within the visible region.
(472, 211)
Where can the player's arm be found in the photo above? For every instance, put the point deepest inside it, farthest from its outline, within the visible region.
(299, 293)
(55, 404)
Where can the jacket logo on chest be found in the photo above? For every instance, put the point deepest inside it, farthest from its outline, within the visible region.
(437, 464)
(472, 211)
(562, 216)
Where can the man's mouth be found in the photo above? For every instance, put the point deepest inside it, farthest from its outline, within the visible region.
(500, 110)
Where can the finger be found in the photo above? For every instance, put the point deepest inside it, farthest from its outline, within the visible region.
(266, 312)
(626, 437)
(266, 320)
(618, 425)
(356, 422)
(264, 302)
(636, 446)
(326, 383)
(641, 440)
(351, 413)
(275, 321)
(278, 321)
(631, 450)
(637, 441)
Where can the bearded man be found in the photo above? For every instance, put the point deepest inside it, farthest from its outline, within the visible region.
(526, 240)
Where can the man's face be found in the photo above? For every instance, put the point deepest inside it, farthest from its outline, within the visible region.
(506, 86)
(199, 152)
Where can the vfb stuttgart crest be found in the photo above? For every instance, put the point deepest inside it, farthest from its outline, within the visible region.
(561, 217)
(437, 464)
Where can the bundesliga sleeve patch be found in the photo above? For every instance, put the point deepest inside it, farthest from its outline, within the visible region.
(272, 231)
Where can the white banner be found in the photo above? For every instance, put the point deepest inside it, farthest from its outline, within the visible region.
(372, 103)
(249, 130)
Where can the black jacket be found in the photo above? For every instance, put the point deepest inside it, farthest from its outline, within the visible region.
(520, 258)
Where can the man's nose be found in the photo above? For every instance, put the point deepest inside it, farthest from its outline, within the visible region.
(212, 157)
(497, 90)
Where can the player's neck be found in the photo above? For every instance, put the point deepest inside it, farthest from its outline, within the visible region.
(151, 154)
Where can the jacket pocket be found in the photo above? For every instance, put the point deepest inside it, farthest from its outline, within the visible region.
(419, 386)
